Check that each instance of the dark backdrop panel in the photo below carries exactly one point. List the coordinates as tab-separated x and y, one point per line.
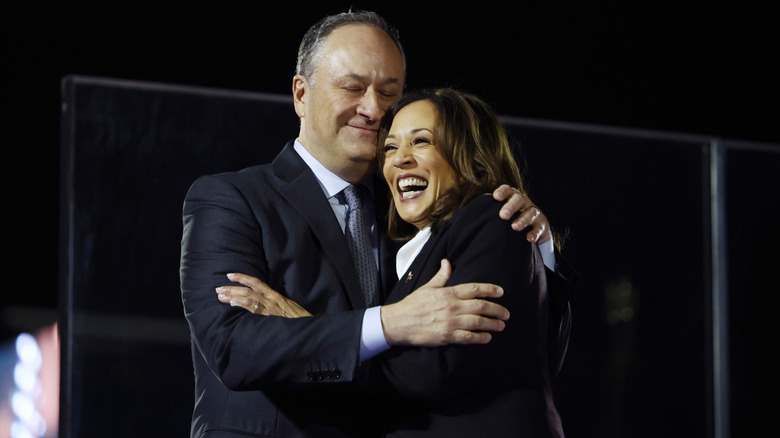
638	355
637	204
753	231
130	152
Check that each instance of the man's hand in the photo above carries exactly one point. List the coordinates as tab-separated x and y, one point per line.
530	215
435	315
257	297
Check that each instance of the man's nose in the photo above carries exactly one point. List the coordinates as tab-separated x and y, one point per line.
370	106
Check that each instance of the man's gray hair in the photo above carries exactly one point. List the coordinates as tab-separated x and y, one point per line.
310	52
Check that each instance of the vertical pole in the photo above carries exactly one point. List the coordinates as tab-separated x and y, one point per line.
719	265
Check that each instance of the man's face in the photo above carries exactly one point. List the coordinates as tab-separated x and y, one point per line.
361	74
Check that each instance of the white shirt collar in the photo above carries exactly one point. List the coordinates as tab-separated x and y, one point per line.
331	183
407	253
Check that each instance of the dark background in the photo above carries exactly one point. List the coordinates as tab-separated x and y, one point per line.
683	67
691	67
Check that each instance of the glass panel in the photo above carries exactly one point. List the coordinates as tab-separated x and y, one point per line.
636	204
130	152
633	203
753	215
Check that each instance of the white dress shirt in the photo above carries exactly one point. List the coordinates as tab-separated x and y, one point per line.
372	339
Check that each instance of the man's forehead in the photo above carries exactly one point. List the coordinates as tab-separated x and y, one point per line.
362	59
362	37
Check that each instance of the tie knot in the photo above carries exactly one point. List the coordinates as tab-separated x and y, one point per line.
352	196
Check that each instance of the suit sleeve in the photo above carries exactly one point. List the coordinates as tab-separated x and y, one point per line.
560	285
482	248
247	351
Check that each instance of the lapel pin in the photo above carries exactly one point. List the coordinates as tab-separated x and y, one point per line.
409	276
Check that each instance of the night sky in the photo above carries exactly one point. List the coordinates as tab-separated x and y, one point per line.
690	67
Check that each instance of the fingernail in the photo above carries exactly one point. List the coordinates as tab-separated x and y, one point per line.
504	214
221	296
220	289
500	291
231	275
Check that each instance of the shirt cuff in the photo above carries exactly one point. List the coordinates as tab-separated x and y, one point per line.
372	336
548	254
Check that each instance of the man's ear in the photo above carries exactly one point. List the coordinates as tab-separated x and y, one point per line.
299	88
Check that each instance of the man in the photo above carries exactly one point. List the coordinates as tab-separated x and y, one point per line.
284	224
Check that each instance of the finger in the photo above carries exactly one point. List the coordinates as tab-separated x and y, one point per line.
246	280
538	234
475	323
466	291
475	329
466	337
482	309
503	192
518	203
528	217
441	277
246	303
223	298
234	291
262	290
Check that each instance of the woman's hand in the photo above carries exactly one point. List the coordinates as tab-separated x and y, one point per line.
258	298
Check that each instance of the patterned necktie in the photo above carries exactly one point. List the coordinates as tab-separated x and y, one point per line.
360	246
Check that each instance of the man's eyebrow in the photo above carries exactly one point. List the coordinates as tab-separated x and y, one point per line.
359	77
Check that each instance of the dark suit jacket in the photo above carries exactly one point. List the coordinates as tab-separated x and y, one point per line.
502	388
272	376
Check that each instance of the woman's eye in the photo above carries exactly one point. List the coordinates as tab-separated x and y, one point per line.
389	148
421	140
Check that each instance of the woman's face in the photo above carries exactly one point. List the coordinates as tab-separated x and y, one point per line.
414	168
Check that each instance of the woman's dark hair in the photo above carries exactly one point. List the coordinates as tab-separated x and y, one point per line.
474	143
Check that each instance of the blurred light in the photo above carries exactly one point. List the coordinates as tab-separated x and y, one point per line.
28	422
26	379
28	351
621	299
19	431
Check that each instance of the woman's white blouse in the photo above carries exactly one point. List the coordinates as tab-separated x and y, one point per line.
409	251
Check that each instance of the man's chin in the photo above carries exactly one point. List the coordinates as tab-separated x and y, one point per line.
361	147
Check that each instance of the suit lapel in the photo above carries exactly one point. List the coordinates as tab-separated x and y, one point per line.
387	247
298	185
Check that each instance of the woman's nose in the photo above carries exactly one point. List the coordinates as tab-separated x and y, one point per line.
403	157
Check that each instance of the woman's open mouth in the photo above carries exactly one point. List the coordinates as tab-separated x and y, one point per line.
410	187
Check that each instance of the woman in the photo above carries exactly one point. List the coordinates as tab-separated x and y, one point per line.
442	153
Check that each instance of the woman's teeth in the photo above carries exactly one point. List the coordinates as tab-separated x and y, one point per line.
409	187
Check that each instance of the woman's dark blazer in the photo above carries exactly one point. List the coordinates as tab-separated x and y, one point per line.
499	389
